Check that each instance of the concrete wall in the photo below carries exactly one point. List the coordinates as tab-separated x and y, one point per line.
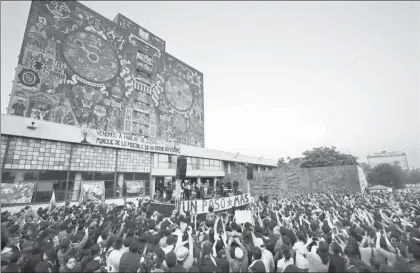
299	180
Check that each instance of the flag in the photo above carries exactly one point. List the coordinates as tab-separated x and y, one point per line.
82	195
52	202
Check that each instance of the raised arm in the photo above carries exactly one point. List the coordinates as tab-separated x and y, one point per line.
82	244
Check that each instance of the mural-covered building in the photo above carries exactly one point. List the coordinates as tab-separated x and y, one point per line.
391	158
107	103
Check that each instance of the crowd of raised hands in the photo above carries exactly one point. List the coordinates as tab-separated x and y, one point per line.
316	232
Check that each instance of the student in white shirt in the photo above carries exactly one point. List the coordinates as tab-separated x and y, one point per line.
299	247
286	260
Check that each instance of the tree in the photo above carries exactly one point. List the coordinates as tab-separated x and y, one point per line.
290	162
413	177
281	162
326	157
387	175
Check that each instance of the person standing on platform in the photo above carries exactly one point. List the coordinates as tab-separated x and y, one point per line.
183	182
169	191
206	188
197	190
229	188
235	187
187	190
202	190
161	188
222	186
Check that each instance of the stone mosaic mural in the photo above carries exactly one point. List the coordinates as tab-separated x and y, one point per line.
78	68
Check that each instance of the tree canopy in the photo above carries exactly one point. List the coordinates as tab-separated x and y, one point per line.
413	177
387	175
289	162
326	157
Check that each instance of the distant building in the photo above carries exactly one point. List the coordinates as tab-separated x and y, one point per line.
392	158
379	188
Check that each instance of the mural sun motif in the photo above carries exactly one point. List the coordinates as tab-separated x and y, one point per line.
178	93
90	57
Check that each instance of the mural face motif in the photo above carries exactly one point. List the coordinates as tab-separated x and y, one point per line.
79	68
90	57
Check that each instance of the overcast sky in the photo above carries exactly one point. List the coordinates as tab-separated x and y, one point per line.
283	77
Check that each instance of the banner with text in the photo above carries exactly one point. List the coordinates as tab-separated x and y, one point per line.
92	190
218	204
133	186
16	193
127	141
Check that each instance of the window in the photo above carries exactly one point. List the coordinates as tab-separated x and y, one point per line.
50	175
87	175
198	163
8	176
172	161
103	176
142	178
191	163
226	166
163	161
155	160
33	175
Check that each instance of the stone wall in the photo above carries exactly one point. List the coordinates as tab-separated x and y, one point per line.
273	183
238	172
299	180
337	178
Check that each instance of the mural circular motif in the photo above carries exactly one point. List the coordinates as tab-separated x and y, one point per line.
179	123
90	57
178	93
28	77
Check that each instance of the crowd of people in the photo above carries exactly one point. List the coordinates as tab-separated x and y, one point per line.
195	190
316	232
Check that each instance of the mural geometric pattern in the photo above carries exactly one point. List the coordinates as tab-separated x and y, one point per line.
79	68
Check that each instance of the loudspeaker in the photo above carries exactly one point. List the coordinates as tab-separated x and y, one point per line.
249	172
181	167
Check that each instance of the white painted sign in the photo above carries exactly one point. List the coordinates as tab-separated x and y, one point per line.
218	204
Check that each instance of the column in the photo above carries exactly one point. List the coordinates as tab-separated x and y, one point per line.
228	167
77	186
245	186
120	180
258	166
214	185
20	176
152	186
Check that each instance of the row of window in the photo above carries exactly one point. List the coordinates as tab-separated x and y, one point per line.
164	161
48	181
9	176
